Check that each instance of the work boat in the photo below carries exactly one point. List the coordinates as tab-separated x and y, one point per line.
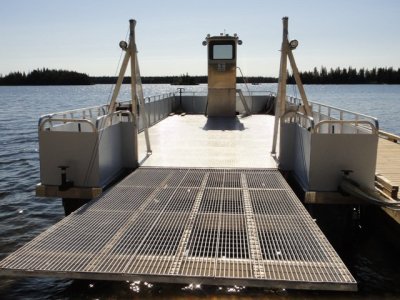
189	188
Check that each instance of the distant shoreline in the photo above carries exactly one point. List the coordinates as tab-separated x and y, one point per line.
348	76
179	80
128	82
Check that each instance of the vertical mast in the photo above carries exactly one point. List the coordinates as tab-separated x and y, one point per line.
283	70
132	50
281	95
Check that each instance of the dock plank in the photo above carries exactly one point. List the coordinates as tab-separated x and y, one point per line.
388	166
388	161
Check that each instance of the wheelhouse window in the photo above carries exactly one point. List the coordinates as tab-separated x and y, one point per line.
222	50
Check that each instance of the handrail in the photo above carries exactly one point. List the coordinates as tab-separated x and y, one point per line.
153	99
48	120
245	93
316	127
246	107
43	119
95	127
103	107
115	113
302	116
349	112
330	108
82	111
343	122
389	136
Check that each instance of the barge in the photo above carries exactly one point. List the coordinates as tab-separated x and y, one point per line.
155	194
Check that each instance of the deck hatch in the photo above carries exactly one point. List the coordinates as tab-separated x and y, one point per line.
214	226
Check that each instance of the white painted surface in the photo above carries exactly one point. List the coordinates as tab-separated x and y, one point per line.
93	159
195	141
318	159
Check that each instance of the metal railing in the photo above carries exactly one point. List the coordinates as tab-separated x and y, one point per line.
330	115
196	101
159	97
158	107
366	125
55	122
299	118
93	119
389	136
75	115
245	93
332	112
110	119
81	113
66	124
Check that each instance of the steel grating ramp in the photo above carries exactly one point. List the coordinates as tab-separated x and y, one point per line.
211	226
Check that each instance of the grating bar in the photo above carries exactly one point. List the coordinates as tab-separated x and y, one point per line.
254	243
215	226
176	265
117	236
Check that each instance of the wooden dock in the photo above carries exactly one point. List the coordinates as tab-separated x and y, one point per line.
388	169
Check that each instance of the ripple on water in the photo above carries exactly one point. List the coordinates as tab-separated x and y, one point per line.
4	194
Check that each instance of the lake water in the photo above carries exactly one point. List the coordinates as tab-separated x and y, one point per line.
371	256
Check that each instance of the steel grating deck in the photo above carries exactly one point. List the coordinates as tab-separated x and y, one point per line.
211	226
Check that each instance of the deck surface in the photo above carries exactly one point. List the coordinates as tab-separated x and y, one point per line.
388	161
184	225
195	141
388	165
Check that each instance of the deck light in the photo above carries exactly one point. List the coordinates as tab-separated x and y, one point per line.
240	42
204	43
293	44
123	45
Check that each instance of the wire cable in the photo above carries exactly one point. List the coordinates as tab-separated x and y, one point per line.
100	132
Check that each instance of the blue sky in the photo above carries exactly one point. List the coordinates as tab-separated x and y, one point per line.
84	35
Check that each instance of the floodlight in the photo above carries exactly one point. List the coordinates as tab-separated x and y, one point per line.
293	44
123	45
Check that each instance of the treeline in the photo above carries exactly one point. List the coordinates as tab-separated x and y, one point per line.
317	76
257	79
183	79
349	76
46	77
177	80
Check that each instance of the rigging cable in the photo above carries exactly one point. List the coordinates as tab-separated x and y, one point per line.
100	133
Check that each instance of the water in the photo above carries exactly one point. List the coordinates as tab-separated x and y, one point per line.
380	101
371	256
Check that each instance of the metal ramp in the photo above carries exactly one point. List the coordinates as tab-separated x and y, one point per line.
181	225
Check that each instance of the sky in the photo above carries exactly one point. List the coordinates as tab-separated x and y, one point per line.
83	35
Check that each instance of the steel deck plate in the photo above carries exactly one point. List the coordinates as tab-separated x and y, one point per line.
181	225
195	141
